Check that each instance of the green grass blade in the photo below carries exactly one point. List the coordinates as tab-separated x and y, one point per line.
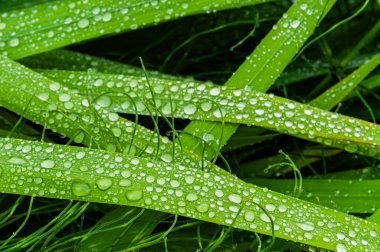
331	97
70	60
47	26
224	104
354	196
48	170
263	66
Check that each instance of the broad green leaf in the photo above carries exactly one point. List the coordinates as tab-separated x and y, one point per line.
328	99
225	104
354	196
264	65
47	170
56	24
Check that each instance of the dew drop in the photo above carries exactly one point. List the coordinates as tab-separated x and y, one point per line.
249	216
259	111
134	195
191	197
295	23
167	157
83	23
202	208
235	198
48	163
125	182
17	161
307	226
80	188
189	179
219	193
43	96
14	42
54	86
340	247
190	109
264	217
104	183
351	148
215	91
270	207
104	101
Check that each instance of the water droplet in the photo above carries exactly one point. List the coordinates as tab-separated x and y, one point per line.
215	91
104	183
48	163
107	17
235	198
219	193
113	117
17	161
249	216
270	207
80	188
264	217
191	197
202	208
295	23
134	195
54	86
167	157
190	109
64	97
351	148
125	182
189	179
307	226
259	111
14	42
104	101
83	23
340	247
43	96
80	155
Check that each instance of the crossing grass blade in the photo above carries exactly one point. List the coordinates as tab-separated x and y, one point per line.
54	24
48	170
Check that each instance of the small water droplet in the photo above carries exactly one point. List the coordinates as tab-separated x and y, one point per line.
340	247
134	195
80	188
295	23
104	183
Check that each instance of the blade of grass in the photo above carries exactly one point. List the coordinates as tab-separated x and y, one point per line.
224	104
263	66
47	26
175	189
353	196
328	99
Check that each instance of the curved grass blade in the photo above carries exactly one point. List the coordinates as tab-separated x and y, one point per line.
55	24
47	170
213	103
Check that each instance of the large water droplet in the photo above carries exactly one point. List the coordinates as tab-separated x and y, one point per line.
83	23
191	197
340	247
17	161
48	163
202	208
104	101
235	198
134	195
190	109
104	183
249	216
307	226
80	188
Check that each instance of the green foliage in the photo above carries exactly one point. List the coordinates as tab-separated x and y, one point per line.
99	154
